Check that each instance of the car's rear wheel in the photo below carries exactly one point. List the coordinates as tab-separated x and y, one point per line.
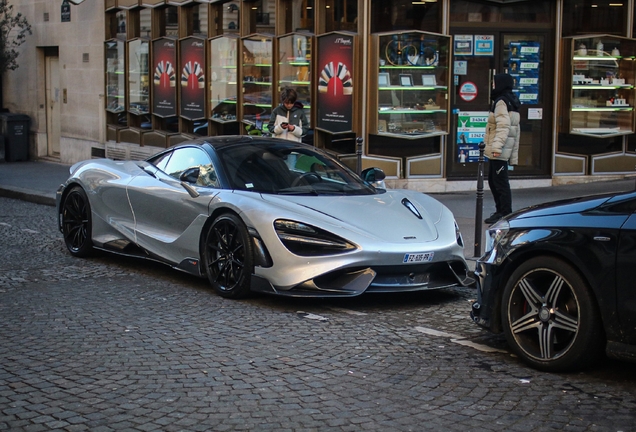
550	317
228	256
76	223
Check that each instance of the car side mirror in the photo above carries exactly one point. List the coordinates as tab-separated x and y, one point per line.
191	175
372	175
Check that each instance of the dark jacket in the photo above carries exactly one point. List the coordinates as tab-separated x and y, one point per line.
296	116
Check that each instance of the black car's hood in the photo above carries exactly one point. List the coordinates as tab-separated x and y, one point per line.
567	206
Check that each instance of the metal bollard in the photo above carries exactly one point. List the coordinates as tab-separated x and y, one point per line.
359	155
479	207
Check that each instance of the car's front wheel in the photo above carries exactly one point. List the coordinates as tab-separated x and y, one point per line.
76	223
550	317
228	256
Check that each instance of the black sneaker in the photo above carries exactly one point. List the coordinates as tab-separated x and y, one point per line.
493	218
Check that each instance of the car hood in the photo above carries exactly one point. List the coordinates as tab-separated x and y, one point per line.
383	216
568	206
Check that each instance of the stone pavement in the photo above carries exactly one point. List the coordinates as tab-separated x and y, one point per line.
109	344
114	344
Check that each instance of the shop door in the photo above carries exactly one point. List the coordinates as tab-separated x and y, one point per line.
528	58
53	105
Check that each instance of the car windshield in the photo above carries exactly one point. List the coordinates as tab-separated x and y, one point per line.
288	169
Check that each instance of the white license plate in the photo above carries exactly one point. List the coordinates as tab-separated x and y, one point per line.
418	257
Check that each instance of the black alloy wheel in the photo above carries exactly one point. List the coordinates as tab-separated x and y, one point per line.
228	257
76	223
550	317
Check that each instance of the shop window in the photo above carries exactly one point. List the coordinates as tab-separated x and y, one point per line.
231	13
341	15
115	24
583	145
298	15
390	15
168	21
529	11
261	16
594	16
121	24
196	20
145	23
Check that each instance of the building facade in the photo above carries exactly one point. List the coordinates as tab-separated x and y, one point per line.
125	78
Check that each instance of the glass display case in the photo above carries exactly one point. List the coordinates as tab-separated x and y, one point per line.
223	78
257	80
412	82
138	77
294	67
599	82
115	77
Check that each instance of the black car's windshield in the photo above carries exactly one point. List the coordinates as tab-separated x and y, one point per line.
288	169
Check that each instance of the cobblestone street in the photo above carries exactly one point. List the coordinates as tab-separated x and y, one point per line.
111	343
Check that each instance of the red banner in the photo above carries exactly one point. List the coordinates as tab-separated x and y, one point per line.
192	78
335	83
164	85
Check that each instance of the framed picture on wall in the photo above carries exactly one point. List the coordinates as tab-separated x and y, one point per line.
384	79
406	80
429	80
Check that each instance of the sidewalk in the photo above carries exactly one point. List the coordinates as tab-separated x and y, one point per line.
37	181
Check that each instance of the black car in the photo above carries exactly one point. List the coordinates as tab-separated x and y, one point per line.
559	280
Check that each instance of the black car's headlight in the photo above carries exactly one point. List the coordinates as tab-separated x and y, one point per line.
306	240
495	233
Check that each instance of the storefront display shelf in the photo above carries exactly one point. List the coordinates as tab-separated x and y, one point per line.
256	80
600	75
115	77
138	77
294	66
224	80
412	84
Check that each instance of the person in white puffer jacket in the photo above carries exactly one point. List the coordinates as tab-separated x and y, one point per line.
502	143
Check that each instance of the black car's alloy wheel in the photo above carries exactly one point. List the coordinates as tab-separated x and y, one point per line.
550	317
228	257
76	223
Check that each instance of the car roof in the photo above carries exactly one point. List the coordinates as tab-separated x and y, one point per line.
221	141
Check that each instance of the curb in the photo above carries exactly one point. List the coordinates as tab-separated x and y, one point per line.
27	195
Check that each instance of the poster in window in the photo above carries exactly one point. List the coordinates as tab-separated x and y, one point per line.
523	65
192	78
471	130
463	45
164	84
335	83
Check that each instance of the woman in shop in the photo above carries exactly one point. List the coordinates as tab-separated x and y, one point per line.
502	143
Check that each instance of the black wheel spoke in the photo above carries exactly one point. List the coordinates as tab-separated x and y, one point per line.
76	222
545	341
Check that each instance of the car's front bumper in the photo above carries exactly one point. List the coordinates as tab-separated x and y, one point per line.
486	310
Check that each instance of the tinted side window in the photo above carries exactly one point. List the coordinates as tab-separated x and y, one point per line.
191	157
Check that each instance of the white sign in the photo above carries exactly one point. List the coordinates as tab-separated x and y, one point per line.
460	67
535	113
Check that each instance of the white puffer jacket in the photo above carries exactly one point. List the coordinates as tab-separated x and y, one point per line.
502	134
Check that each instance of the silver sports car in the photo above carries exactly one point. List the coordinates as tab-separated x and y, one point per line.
266	215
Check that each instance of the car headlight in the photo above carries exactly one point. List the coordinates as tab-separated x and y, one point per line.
495	233
306	240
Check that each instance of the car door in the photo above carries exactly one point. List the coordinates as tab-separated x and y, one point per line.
626	288
169	213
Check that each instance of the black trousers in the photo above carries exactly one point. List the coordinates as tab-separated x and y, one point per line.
500	185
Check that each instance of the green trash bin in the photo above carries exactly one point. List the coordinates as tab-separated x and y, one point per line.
14	129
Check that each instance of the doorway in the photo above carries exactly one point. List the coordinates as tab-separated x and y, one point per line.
53	96
528	57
